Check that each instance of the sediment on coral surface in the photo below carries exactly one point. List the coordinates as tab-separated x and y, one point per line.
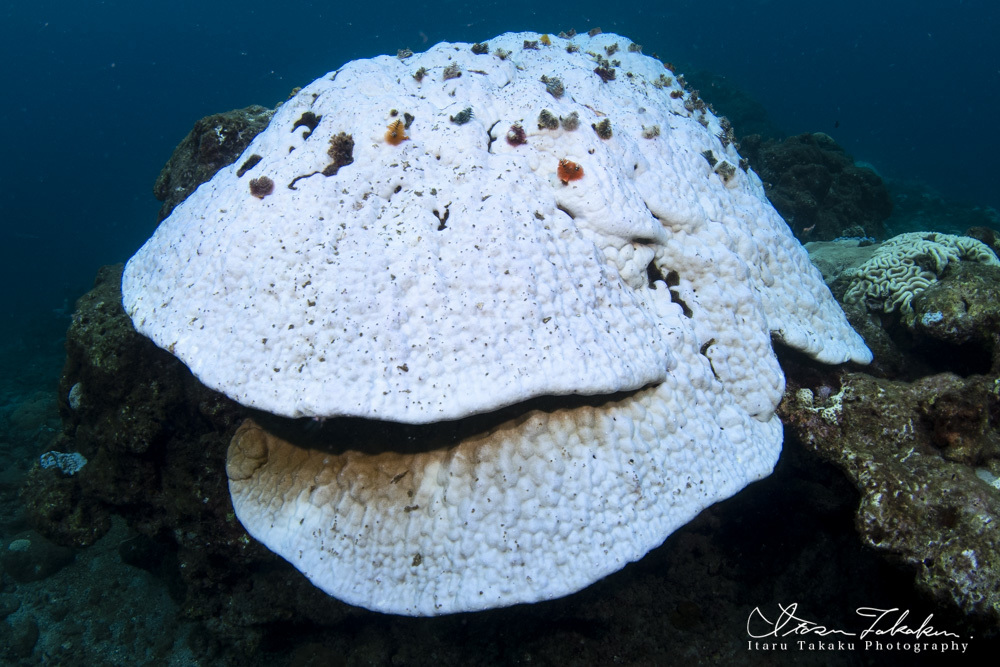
256	607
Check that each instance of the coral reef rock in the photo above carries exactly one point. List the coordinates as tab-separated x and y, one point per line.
905	265
31	557
925	302
818	189
214	142
924	457
959	317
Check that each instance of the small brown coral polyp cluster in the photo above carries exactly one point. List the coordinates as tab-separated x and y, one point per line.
603	129
261	187
606	73
341	153
516	135
395	134
569	171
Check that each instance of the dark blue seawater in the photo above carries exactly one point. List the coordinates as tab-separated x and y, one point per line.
97	94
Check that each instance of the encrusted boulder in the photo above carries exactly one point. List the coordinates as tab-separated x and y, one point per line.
154	439
30	557
214	142
817	187
959	317
925	457
906	265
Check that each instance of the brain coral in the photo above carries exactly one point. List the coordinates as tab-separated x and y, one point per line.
525	381
907	264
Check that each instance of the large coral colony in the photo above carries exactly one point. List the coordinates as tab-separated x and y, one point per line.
566	170
533	358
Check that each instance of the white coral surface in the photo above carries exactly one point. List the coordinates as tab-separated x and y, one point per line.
453	274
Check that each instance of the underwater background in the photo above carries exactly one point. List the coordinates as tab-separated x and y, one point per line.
98	94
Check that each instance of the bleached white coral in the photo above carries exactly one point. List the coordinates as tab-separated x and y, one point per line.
907	264
546	376
69	463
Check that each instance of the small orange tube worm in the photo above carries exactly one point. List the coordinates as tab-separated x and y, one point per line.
569	171
395	134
